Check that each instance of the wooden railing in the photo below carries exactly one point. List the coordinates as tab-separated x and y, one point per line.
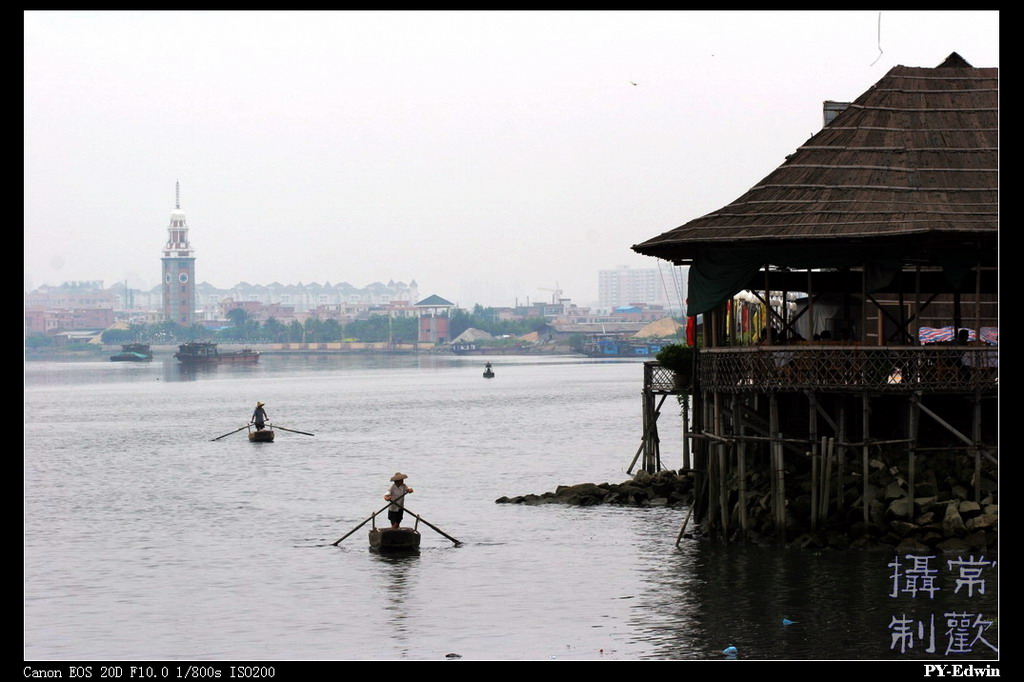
886	369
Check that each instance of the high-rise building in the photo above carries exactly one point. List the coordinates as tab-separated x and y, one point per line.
653	286
179	269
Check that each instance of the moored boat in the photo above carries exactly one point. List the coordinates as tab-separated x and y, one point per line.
133	352
402	539
622	348
206	353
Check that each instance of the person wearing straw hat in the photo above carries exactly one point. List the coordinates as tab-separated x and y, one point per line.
259	416
396	496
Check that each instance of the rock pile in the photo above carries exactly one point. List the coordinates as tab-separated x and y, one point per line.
664	489
945	516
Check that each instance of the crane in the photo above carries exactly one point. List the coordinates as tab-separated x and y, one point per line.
556	293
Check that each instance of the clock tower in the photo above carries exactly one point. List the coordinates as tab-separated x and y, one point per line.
179	269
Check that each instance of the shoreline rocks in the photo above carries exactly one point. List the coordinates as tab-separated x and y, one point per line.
663	489
945	516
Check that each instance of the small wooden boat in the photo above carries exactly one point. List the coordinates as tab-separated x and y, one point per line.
133	352
265	435
402	539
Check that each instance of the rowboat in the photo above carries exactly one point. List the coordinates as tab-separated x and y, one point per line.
261	436
402	539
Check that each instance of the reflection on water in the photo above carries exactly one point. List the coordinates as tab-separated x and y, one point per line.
145	538
399	576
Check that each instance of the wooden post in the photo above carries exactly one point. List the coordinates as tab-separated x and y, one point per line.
866	407
917	303
864	305
686	430
812	453
841	456
723	486
976	432
741	462
830	444
912	429
711	464
773	426
977	303
778	473
810	305
812	431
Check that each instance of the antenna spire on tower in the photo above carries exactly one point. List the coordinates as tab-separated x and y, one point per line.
177	194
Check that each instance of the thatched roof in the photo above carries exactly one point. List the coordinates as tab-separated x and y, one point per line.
908	171
915	156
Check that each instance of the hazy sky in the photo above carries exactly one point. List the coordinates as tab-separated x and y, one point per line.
490	156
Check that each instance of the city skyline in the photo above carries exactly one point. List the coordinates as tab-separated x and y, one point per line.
490	156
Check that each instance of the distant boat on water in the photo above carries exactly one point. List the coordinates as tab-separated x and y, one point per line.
623	348
133	352
206	353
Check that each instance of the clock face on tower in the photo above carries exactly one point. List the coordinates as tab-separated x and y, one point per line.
183	277
167	278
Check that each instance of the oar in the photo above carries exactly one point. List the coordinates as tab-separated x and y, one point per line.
230	432
335	543
293	430
420	518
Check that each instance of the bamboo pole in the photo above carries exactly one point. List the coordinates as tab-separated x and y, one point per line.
429	524
371	517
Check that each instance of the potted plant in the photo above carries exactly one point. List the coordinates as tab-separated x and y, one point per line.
678	358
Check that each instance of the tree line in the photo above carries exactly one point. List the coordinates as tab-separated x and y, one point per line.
244	329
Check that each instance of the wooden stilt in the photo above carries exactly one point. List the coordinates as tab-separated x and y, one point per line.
723	486
778	474
685	402
828	447
912	427
976	431
866	407
773	427
813	454
741	463
841	456
812	431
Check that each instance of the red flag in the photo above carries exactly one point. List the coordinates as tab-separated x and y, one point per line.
691	331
